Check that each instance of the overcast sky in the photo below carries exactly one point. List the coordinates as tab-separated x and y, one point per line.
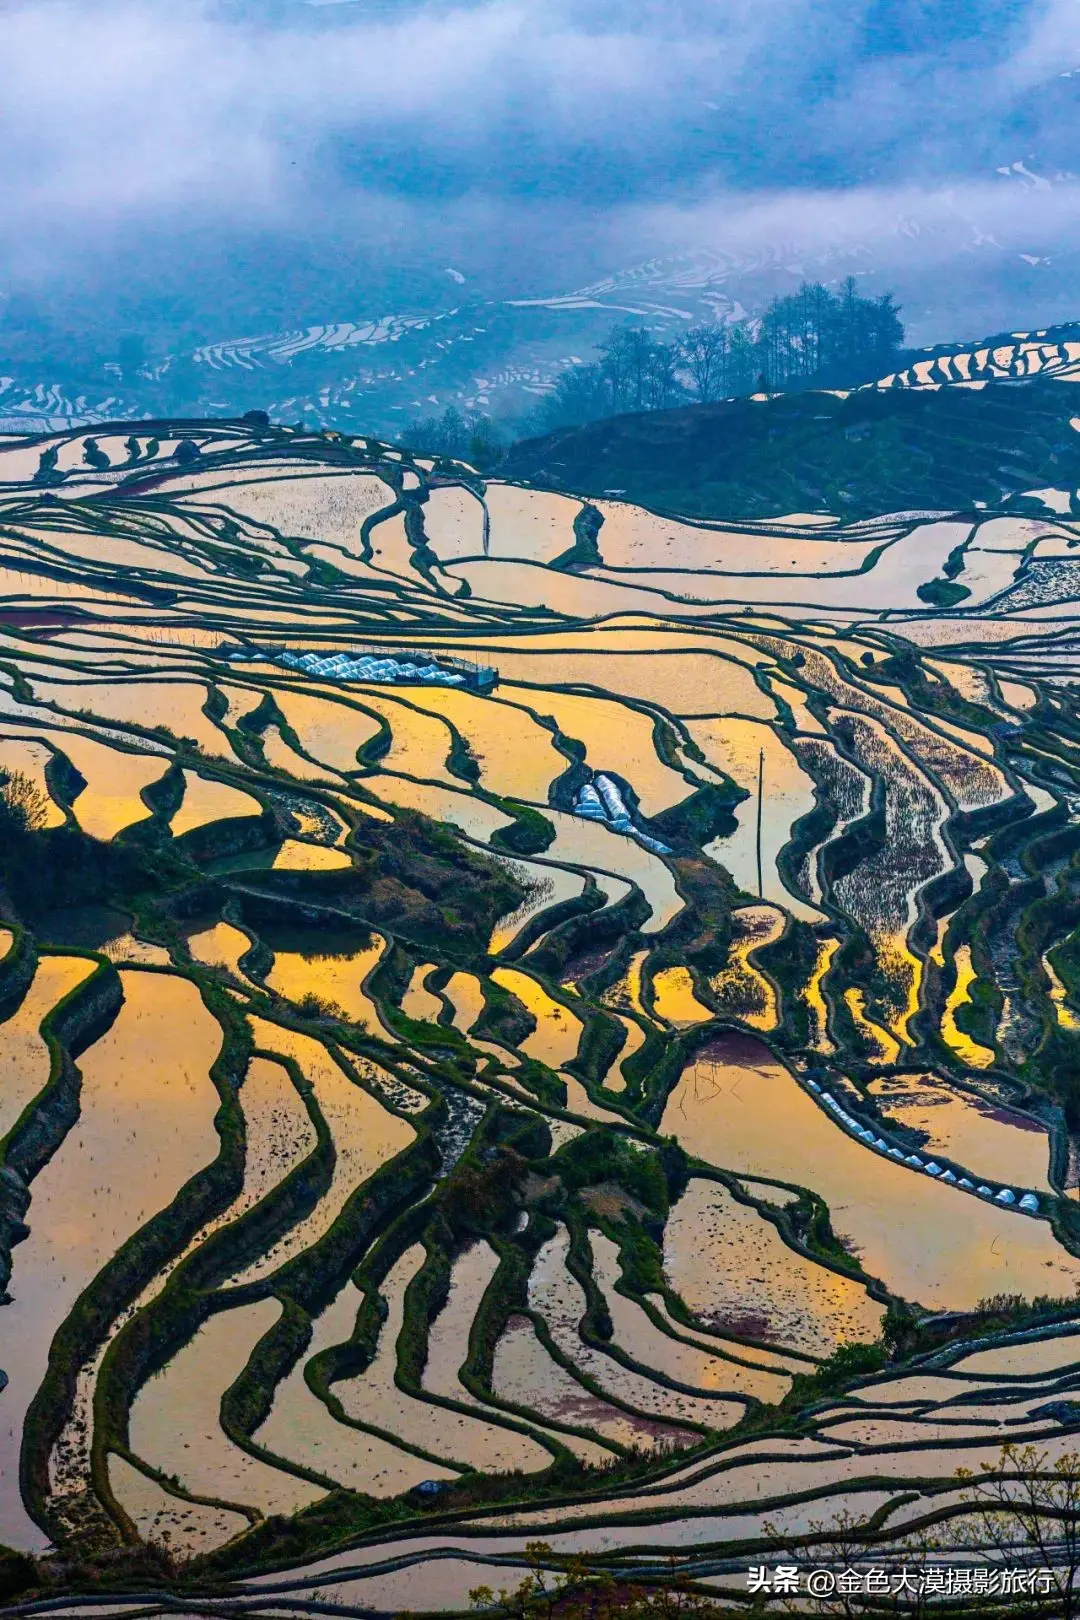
268	150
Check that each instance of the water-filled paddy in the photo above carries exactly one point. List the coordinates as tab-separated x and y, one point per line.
559	1299
206	800
637	1333
365	1134
221	945
115	779
751	753
740	987
555	1039
419	1002
740	1109
302	1428
733	1270
175	1424
871	739
26	1061
29	759
986	1137
169	1521
675	1000
328	968
146	1125
461	1439
615	737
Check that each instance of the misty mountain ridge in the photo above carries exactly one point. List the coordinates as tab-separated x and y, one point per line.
461	340
961	426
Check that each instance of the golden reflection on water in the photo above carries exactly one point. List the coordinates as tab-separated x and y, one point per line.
525	1374
1066	1017
991	1140
294	856
738	1108
743	748
464	993
674	999
146	1124
114	781
815	998
688	1364
25	1063
615	1079
970	1051
419	1002
733	1270
220	946
884	1048
374	1397
555	1039
176	1424
742	988
206	800
300	1426
334	979
365	1134
29	759
614	736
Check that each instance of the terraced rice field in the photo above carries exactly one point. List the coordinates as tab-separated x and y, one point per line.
645	1007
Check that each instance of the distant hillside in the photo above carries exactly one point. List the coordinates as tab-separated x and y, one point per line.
878	449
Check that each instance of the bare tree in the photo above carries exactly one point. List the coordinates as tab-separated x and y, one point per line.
22	806
1027	1509
703	352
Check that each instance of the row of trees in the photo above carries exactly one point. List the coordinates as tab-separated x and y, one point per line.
812	338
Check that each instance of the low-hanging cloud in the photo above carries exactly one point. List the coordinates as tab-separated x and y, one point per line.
133	130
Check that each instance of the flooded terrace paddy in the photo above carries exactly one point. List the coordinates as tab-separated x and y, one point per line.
972	1053
302	1429
365	1134
742	749
26	1060
733	1270
175	704
169	1521
704	675
472	816
526	1375
599	849
206	800
740	1109
418	1002
516	756
175	1420
555	1039
815	997
674	998
741	988
146	1124
448	1340
329	966
115	779
330	730
614	735
19	755
557	1296
220	945
547	886
731	1368
460	1439
990	1139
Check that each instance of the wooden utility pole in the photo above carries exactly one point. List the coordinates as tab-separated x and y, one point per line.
760	787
